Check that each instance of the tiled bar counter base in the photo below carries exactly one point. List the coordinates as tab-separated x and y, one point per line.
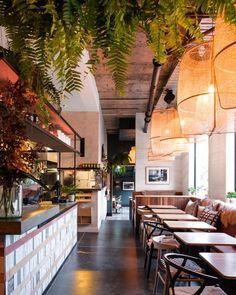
30	261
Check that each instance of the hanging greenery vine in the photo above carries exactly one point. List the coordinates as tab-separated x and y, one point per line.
48	37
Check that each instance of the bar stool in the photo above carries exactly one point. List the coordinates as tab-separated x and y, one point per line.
161	244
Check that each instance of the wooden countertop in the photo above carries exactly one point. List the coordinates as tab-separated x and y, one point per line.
33	215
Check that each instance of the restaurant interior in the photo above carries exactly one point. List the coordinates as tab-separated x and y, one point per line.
117	147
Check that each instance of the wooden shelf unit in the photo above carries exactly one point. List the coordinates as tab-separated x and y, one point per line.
84	209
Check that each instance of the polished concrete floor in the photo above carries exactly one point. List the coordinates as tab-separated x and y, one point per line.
110	262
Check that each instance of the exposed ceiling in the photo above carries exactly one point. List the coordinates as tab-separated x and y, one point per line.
138	83
137	86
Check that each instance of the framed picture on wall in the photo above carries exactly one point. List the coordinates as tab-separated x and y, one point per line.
157	175
128	186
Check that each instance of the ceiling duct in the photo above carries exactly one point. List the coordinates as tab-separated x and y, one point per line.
127	129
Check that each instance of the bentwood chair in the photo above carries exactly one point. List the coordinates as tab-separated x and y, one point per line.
188	268
151	229
162	245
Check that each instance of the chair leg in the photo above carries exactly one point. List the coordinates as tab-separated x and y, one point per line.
166	286
146	256
156	281
149	261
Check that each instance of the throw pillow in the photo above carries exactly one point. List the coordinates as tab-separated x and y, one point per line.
191	208
200	210
211	217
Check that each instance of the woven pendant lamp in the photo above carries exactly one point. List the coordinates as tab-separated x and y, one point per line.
195	97
132	153
224	60
165	126
161	148
152	157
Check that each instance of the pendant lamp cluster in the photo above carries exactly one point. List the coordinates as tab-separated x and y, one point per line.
206	96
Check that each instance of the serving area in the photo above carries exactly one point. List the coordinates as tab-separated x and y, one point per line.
34	247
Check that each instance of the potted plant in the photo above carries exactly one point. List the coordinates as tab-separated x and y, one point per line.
17	156
192	190
231	196
70	191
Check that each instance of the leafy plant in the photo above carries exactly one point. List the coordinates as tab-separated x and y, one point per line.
192	190
231	195
70	189
16	155
118	163
49	36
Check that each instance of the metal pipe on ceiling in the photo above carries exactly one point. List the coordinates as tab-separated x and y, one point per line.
152	92
167	70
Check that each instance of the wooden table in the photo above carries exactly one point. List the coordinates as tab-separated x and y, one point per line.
176	217
188	225
161	207
224	264
205	238
168	211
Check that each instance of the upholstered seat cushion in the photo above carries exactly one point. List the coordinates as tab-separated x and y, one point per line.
191	208
209	290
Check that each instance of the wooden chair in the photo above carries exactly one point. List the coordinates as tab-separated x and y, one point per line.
151	229
189	268
167	244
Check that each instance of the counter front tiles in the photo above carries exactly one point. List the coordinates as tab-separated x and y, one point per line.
30	259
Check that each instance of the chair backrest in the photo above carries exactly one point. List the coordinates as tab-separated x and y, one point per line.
185	264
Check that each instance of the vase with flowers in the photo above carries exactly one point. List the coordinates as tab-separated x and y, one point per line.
17	156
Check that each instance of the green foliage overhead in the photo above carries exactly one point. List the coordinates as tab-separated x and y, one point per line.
50	35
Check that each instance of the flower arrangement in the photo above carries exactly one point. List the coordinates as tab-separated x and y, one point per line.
16	154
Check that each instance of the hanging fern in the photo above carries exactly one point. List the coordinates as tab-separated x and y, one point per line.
49	36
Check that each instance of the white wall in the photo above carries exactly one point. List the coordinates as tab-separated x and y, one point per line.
221	165
142	147
186	175
102	137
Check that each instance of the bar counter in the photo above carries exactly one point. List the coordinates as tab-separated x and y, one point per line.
34	247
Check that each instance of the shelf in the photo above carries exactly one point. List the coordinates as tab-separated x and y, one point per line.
84	220
40	135
84	215
84	201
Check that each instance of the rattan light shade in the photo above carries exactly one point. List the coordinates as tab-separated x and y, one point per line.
132	153
152	157
165	126
195	97
162	149
224	59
